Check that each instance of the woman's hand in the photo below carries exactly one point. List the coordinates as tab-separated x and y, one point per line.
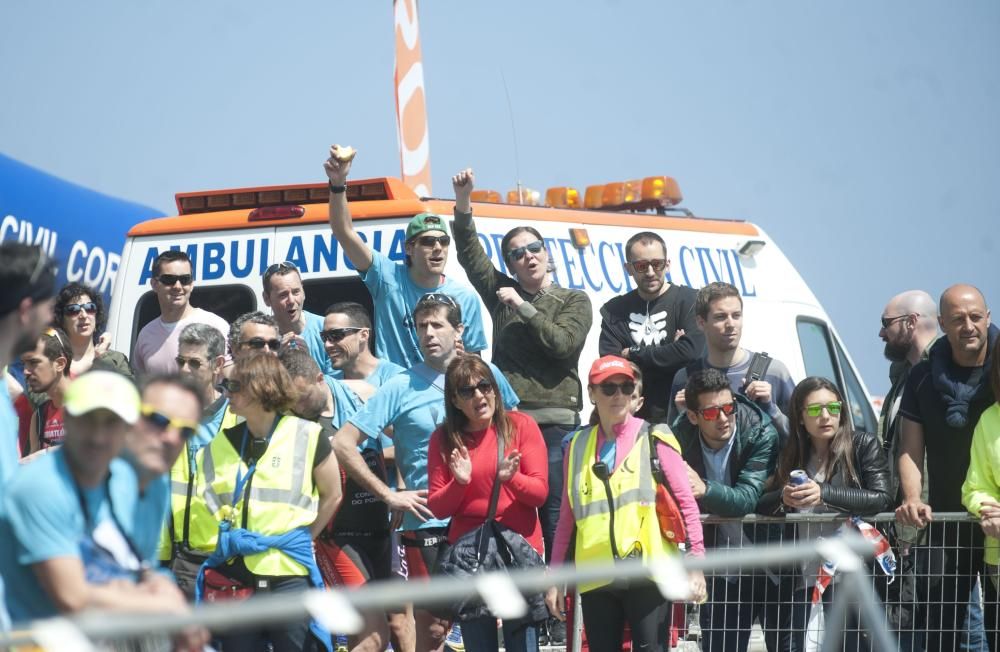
800	496
509	297
696	583
555	600
460	465
509	465
103	345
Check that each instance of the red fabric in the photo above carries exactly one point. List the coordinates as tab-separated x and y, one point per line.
520	497
336	566
24	411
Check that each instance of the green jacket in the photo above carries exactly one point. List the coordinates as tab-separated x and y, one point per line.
751	462
538	345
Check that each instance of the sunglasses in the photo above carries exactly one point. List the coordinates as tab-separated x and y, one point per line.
334	335
170	279
519	252
259	343
640	266
431	240
187	429
194	363
281	267
484	386
816	409
439	297
610	389
231	386
715	411
51	332
888	321
75	308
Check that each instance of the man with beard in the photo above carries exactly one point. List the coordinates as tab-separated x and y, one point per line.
396	288
46	371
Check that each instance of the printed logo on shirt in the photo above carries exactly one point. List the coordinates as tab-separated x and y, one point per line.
648	329
275	462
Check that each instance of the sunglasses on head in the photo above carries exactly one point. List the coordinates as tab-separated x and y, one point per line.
75	308
259	343
468	391
194	363
816	409
170	279
430	240
334	335
641	266
231	386
285	266
438	297
519	252
187	429
610	389
713	412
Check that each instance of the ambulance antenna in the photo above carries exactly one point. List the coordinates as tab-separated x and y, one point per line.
513	132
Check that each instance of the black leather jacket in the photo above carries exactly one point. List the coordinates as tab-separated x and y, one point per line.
870	498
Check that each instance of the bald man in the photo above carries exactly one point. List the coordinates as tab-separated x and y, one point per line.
942	402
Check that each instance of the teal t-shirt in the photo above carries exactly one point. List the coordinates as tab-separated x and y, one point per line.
345	402
395	294
414	406
314	343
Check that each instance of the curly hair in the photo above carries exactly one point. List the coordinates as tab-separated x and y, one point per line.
69	294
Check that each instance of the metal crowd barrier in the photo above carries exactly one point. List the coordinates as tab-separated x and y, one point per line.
759	575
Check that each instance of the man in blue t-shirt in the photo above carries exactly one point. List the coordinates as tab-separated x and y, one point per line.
284	295
413	403
73	550
346	334
395	287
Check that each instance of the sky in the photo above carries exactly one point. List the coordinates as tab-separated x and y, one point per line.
862	136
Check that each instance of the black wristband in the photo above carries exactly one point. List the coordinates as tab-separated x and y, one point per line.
337	189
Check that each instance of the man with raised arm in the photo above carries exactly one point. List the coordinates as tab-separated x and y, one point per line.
396	287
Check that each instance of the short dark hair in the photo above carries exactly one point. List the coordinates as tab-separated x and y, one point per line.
711	293
27	273
645	237
299	364
55	344
435	301
170	256
701	382
236	328
198	334
355	312
72	291
180	381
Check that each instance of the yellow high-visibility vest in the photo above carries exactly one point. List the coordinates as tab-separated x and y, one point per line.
279	497
185	466
633	490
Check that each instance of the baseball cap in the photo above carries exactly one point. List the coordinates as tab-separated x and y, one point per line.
424	222
608	366
103	389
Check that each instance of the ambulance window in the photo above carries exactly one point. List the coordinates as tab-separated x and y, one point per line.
322	293
817	354
861	411
227	301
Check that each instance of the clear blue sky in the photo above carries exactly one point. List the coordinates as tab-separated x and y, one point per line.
863	136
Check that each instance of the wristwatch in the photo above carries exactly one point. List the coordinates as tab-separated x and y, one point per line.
337	189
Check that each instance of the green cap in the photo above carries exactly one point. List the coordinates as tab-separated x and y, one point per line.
424	222
107	390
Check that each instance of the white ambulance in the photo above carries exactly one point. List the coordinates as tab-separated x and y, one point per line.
233	235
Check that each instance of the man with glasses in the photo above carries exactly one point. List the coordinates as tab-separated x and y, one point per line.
396	287
654	325
254	331
346	336
718	311
730	447
284	295
172	281
413	403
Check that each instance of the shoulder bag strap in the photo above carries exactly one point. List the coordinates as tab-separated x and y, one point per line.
487	527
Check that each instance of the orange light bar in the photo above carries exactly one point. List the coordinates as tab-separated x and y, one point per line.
593	197
487	196
613	195
524	197
632	192
661	189
314	193
563	197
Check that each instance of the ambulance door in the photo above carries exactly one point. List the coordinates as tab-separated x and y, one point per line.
823	355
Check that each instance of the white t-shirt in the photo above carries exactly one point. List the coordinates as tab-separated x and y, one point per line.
157	345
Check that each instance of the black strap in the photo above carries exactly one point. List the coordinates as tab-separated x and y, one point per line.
484	540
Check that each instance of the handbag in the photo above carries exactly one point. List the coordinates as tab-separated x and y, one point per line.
491	547
222	588
185	565
668	512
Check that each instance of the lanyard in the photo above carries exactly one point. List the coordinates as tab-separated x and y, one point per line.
241	479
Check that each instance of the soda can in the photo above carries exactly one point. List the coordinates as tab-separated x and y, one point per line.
797	477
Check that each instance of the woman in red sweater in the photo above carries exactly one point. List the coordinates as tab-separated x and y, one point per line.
462	467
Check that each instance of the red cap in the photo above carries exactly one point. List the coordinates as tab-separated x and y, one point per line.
608	366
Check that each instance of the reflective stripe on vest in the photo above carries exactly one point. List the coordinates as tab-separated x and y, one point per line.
637	530
281	495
